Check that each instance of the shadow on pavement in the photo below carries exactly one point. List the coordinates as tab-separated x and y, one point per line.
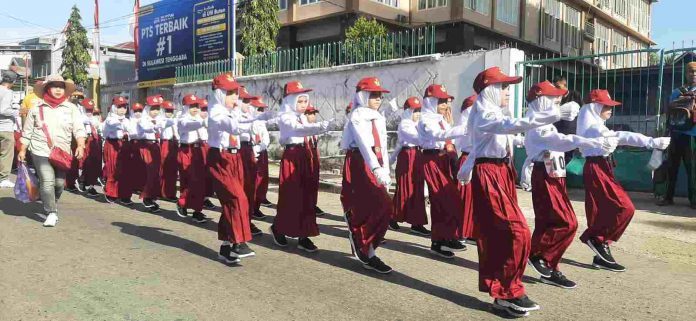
646	202
13	207
687	226
578	264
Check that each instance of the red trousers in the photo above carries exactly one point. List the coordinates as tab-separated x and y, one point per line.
346	188
261	179
372	210
445	203
504	238
226	173
608	208
466	229
554	219
138	172
208	179
409	197
91	164
117	160
249	163
74	173
192	178
150	154
170	167
295	216
316	167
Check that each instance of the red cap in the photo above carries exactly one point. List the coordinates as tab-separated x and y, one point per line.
349	107
168	105
244	94
545	88
370	84
311	110
258	103
469	101
601	96
88	104
119	101
203	105
413	103
155	100
294	87
138	107
492	76
437	91
190	99
225	82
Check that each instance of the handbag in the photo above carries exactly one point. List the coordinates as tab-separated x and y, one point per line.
59	158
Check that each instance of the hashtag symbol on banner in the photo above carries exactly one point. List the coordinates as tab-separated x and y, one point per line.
160	46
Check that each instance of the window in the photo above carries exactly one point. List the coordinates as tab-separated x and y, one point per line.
605	4
303	2
552	17
602	38
283	4
573	33
620	8
430	4
639	16
618	43
391	3
480	6
508	11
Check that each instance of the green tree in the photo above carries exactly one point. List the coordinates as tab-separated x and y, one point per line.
75	56
367	40
364	28
260	25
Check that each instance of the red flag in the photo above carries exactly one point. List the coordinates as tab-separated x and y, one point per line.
136	10
96	14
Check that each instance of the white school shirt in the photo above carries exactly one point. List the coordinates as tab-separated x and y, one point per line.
408	133
294	128
222	123
261	131
359	131
148	127
192	129
169	132
464	143
591	125
116	127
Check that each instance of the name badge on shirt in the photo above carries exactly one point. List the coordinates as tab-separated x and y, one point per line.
555	164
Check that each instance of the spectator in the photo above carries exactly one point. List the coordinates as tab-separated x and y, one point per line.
8	119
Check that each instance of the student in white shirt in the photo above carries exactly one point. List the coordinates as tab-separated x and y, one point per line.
261	141
191	126
346	189
137	166
91	164
169	147
246	112
149	128
311	114
465	232
117	153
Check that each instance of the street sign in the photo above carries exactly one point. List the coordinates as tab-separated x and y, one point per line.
174	33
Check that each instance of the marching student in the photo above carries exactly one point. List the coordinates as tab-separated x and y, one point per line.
149	128
138	171
295	215
117	153
226	170
554	219
346	189
311	115
72	176
409	197
207	204
464	145
261	142
436	142
366	140
91	164
190	158
169	147
246	151
502	233
607	206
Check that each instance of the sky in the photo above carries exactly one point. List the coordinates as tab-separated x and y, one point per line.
672	20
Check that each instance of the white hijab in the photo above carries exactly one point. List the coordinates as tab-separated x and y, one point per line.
533	149
589	117
289	103
429	109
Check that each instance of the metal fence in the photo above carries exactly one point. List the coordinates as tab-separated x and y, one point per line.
401	44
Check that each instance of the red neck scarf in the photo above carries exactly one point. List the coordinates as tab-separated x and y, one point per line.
52	100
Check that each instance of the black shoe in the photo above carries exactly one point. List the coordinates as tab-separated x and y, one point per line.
101	181
125	201
155	209
394	226
468	241
558	279
307	245
523	304
111	200
436	248
91	192
510	311
208	204
266	203
169	199
601	249
226	255
664	202
148	202
182	212
242	250
420	230
80	186
255	231
199	217
452	246
374	263
540	266
258	215
278	239
318	211
71	189
601	264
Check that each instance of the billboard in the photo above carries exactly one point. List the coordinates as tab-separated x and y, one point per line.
174	33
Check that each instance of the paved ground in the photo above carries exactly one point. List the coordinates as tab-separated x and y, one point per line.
107	262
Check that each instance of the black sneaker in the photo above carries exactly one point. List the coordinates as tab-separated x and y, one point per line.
155	208
278	239
242	250
101	181
110	200
80	186
255	231
199	217
394	226
523	304
374	263
266	203
226	255
558	279
436	248
307	245
125	201
169	199
181	211
420	230
469	241
318	211
452	246
148	202
601	249
208	204
70	189
258	215
510	311
601	264
91	192
540	266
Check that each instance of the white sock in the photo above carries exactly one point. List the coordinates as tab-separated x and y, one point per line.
370	252
225	243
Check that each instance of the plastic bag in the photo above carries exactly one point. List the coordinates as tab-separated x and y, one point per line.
655	159
575	166
27	186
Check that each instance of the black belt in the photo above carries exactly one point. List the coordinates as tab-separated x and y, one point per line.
229	150
432	151
410	147
482	160
247	143
117	139
147	141
539	164
294	145
191	145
